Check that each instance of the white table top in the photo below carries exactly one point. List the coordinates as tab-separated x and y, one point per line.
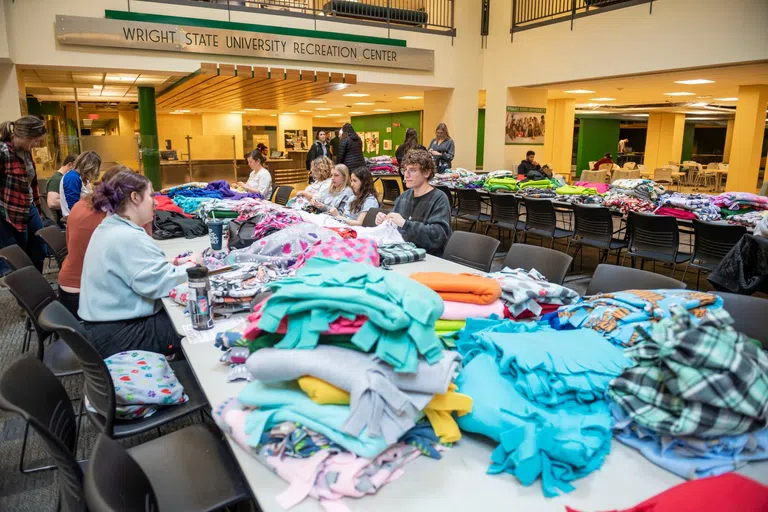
458	481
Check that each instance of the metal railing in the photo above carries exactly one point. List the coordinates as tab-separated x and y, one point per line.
528	14
436	16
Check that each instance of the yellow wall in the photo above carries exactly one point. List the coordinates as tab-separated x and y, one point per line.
10	108
728	141
664	140
748	134
558	137
126	120
223	127
292	123
176	128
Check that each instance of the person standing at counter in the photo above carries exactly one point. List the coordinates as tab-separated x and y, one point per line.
442	148
319	148
19	195
77	182
260	180
350	148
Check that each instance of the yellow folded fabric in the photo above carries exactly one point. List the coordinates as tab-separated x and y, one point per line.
321	392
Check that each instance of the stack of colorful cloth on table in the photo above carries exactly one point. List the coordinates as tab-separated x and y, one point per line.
600	188
688	206
696	400
458	178
647	190
742	208
579	194
465	296
381	165
348	381
527	293
626	204
508	183
189	197
540	394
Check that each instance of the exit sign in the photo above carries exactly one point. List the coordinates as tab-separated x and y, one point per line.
396	125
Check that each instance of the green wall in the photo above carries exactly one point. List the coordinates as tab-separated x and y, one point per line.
380	123
596	138
480	137
687	142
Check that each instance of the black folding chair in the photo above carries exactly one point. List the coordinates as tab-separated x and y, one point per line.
541	220
613	278
505	215
550	263
656	238
15	257
56	241
711	243
282	194
749	314
369	220
471	208
593	227
471	249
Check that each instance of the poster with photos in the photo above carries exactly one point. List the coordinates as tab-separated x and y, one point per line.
525	126
296	140
372	142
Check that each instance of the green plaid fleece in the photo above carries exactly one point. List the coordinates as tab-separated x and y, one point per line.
394	254
695	378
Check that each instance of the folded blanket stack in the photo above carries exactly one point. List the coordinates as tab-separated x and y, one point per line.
381	165
742	208
647	190
505	183
700	205
527	293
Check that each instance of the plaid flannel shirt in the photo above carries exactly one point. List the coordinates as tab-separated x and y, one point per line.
394	254
17	191
695	378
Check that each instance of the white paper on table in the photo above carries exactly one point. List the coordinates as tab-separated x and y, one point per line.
195	337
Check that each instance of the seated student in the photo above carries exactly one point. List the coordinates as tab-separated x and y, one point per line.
77	182
339	192
321	173
365	198
125	274
260	180
605	160
422	213
529	164
54	183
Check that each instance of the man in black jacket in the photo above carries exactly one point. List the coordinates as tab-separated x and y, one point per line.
319	148
529	164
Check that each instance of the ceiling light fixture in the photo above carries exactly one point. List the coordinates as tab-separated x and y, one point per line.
323	108
382	110
603	99
320	117
697	81
639	115
357	113
579	91
334	115
364	104
726	99
305	111
356	95
237	112
700	104
701	119
180	111
272	115
410	97
679	94
252	109
315	101
289	113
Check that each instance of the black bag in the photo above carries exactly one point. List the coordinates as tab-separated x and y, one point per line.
241	232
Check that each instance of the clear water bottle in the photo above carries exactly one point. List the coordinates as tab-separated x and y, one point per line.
199	298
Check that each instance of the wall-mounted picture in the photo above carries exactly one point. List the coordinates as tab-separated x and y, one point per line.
388	145
372	142
296	140
525	125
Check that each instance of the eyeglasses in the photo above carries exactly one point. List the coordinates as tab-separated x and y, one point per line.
409	171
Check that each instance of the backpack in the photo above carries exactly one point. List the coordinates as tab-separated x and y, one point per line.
241	233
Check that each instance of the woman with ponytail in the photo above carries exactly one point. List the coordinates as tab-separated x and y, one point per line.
125	274
19	195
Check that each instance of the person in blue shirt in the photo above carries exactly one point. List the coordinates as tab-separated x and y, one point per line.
125	273
354	210
77	182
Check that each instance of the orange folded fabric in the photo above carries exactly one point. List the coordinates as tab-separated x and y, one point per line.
465	288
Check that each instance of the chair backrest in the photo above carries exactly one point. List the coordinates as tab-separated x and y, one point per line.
504	208
469	201
391	189
662	174
594	176
624	174
29	388
749	314
471	249
56	240
605	167
369	221
540	214
592	164
713	166
613	278
98	382
33	293
649	232
42	186
593	222
630	166
114	481
15	257
550	263
713	241
282	194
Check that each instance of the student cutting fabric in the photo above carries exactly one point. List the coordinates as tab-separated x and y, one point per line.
321	172
365	198
120	289
339	192
422	213
260	180
77	182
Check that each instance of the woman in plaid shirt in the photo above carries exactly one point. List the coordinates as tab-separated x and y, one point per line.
19	196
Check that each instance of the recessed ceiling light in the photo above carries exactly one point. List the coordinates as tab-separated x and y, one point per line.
320	117
179	111
315	101
579	91
703	97
638	115
334	115
364	104
603	99
272	115
679	94
237	112
586	105
701	119
410	97
323	108
726	99
699	112
697	81
289	113
305	111
357	113
700	104
251	109
355	95
382	110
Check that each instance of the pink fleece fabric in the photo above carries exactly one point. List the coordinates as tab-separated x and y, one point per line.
601	188
462	311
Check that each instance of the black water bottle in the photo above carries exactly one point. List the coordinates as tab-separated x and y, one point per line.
199	299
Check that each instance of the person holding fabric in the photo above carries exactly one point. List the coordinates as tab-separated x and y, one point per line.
339	193
77	183
19	195
52	196
605	160
321	172
319	148
529	164
442	148
120	290
350	148
354	211
260	180
422	213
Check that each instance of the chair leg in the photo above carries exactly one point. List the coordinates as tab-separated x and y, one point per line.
618	254
685	272
698	275
674	267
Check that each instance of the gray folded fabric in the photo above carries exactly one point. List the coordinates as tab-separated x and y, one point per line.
383	401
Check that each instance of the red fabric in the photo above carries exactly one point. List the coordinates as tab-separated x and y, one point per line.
676	212
345	233
521	177
17	191
729	492
604	160
545	308
339	326
166	204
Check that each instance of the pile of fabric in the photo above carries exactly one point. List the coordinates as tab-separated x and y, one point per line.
508	183
540	394
688	206
348	381
459	178
381	165
742	208
627	204
527	293
695	401
647	190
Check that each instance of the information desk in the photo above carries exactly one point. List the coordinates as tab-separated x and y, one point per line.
458	481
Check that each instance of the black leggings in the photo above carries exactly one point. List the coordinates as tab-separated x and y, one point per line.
152	333
71	301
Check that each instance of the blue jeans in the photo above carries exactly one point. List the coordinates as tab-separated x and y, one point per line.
32	245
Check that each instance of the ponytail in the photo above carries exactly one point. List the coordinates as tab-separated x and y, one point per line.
27	127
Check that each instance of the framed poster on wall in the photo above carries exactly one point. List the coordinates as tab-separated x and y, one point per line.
296	139
525	126
372	142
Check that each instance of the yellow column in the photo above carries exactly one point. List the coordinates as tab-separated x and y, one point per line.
728	141
558	136
10	104
748	133
126	122
438	108
664	140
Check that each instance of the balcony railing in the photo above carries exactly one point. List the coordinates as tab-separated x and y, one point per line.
528	14
436	16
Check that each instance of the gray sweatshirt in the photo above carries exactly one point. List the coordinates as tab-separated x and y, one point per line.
427	220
